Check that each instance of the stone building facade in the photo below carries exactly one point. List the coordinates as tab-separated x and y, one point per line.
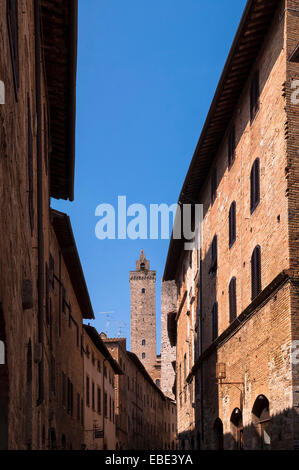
143	317
100	370
244	277
43	295
145	417
168	350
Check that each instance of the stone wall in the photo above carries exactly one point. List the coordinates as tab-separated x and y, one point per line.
168	352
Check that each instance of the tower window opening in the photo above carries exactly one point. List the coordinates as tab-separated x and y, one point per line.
143	355
143	342
142	291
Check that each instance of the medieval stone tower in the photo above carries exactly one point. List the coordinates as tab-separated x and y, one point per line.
143	316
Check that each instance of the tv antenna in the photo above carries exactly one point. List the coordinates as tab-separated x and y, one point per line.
108	317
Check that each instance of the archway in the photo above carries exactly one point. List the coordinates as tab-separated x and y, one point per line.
4	385
237	428
261	419
218	434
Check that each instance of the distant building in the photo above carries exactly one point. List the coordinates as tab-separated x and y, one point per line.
99	397
145	418
143	317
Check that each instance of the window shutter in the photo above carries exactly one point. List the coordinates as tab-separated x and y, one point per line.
232	223
255	185
232	300
257	181
214	255
252	189
256	272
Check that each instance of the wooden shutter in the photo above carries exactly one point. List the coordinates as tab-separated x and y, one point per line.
12	23
232	223
257	181
255	185
232	300
256	272
214	255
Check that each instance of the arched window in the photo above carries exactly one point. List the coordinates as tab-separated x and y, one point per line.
255	185
142	291
232	224
142	266
218	434
232	300
143	355
158	383
261	418
256	284
143	342
237	428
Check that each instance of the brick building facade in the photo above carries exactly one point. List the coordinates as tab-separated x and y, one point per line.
43	295
145	417
100	370
242	375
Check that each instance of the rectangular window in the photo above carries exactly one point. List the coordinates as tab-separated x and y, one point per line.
105	405
87	392
63	388
231	147
214	185
99	401
12	23
215	321
82	412
70	397
78	406
93	396
254	95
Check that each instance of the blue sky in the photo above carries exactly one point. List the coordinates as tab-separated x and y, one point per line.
147	73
